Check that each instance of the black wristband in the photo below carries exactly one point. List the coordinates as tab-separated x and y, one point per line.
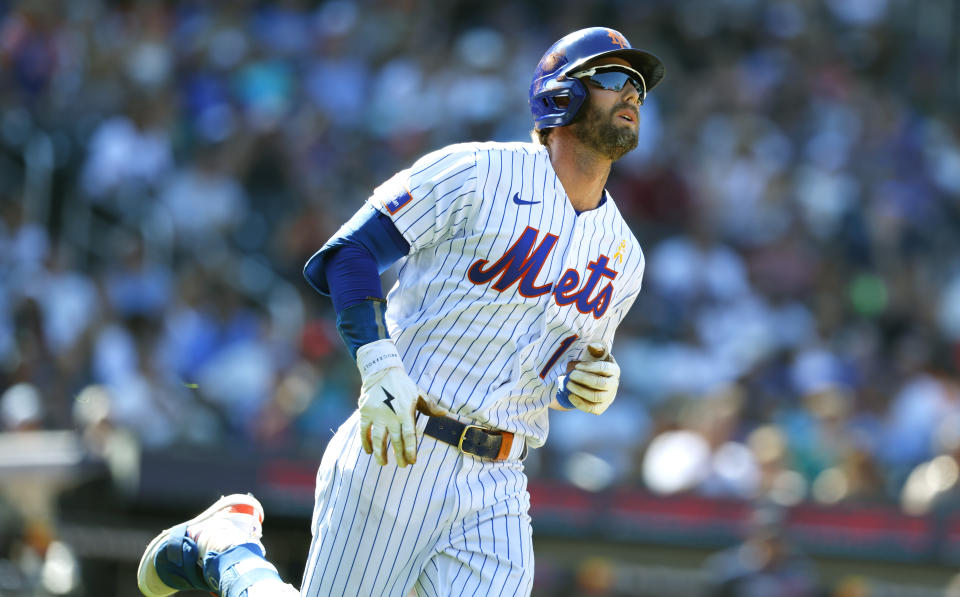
363	323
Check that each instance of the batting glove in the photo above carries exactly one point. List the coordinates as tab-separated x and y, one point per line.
592	384
388	401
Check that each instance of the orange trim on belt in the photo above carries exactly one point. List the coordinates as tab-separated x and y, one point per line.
506	442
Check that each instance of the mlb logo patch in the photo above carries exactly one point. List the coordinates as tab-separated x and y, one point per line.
398	202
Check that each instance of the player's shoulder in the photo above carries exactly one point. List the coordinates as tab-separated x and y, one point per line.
499	151
463	153
474	154
519	147
489	147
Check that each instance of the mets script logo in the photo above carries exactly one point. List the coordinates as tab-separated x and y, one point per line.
522	263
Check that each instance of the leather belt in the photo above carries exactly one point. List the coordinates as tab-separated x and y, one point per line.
475	440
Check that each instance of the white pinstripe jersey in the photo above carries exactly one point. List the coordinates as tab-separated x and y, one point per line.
505	283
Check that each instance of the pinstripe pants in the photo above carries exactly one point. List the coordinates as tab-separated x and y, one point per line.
451	524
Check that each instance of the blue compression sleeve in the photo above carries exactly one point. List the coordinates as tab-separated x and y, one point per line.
367	229
357	296
348	268
352	276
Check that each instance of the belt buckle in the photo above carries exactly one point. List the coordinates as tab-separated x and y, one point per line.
464	436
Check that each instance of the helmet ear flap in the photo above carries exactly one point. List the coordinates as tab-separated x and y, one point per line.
559	103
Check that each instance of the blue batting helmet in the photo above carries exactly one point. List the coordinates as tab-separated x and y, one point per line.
570	53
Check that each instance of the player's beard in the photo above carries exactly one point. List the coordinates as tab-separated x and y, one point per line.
599	132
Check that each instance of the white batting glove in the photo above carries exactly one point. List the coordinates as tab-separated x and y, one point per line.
388	400
593	382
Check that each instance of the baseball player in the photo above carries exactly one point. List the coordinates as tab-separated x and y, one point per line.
516	268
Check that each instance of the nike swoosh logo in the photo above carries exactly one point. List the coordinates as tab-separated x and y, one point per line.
519	201
388	400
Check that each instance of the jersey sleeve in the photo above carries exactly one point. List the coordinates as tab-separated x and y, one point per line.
432	200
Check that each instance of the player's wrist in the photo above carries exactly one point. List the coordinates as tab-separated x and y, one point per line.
363	324
562	396
377	356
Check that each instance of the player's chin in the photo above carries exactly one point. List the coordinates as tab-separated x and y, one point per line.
625	141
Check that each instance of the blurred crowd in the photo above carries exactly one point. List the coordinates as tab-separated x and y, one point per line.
167	168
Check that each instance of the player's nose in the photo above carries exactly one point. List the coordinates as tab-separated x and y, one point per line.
630	94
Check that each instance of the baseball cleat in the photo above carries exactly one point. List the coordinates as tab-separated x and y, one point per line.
173	560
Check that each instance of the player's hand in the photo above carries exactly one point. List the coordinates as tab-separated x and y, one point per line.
388	401
592	383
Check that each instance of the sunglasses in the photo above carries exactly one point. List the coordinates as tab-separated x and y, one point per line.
613	77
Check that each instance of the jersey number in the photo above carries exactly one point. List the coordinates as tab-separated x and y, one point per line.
565	345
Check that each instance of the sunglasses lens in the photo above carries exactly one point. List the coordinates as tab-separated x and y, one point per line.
615	81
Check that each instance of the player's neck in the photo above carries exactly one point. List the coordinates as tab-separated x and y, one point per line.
583	173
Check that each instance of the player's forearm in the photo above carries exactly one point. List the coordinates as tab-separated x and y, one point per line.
348	269
352	276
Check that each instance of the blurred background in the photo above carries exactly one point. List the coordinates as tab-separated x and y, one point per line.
788	423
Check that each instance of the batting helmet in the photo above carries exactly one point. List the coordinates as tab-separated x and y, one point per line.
570	53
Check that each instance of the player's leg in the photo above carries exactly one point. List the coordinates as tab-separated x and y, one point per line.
375	526
217	550
489	550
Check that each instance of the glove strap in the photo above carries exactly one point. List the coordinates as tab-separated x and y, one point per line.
377	356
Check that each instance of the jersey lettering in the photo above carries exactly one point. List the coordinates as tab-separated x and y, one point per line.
517	263
598	269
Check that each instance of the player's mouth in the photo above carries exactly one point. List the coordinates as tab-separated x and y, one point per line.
629	115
